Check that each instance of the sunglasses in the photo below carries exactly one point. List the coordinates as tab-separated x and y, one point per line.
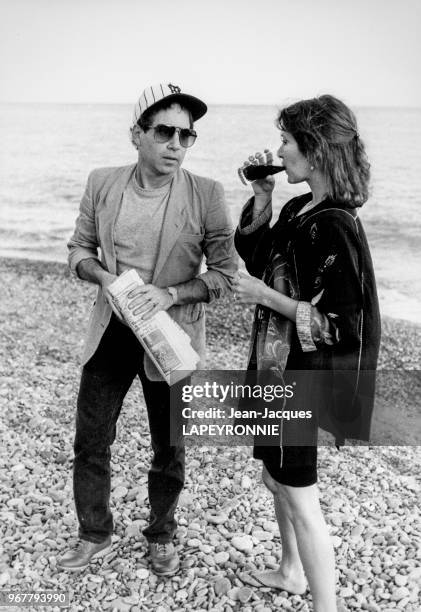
164	133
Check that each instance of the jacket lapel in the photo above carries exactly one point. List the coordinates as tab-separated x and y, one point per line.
109	204
173	221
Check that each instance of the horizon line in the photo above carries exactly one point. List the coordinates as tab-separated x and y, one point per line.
79	103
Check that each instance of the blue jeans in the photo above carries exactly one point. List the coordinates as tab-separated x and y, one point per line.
106	378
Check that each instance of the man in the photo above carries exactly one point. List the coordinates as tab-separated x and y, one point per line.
159	219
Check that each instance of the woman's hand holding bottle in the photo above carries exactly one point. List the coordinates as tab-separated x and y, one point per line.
262	187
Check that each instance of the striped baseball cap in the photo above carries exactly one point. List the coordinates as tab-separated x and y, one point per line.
166	91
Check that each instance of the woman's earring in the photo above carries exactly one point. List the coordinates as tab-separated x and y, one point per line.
312	168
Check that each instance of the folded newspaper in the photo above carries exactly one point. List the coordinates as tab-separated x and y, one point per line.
166	343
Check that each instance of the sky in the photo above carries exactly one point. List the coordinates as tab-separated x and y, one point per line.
225	51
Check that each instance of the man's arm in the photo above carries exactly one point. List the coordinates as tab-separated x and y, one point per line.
149	299
84	242
83	247
191	292
92	271
218	246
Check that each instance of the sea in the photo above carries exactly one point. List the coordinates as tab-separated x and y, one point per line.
47	151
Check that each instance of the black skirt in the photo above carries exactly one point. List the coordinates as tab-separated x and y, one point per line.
299	464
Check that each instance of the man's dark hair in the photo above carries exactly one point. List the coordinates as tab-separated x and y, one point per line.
146	119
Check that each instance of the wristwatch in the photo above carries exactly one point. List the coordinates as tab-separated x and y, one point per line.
173	293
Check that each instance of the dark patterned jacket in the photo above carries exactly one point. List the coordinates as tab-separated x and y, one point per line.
337	334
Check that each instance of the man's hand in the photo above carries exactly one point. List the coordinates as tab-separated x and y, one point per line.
92	271
106	279
148	300
249	289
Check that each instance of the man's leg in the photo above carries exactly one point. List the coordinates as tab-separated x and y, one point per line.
105	381
166	474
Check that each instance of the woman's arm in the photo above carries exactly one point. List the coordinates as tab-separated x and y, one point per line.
337	279
251	290
253	226
250	238
333	314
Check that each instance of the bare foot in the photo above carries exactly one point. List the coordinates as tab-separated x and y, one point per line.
277	580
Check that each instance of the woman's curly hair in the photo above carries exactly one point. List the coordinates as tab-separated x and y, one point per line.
326	133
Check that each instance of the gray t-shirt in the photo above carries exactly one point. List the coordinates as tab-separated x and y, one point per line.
138	228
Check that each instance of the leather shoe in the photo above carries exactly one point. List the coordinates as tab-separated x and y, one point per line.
164	558
79	557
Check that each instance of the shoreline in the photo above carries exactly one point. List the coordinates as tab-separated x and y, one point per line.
54	267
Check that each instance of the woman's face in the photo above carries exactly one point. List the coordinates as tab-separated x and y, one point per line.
296	165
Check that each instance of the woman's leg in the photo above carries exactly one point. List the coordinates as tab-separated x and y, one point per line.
302	509
290	575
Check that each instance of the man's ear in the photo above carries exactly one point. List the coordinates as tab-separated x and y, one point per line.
136	132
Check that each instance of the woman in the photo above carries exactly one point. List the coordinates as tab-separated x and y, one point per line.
313	283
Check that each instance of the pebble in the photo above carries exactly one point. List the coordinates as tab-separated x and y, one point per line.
401	580
262	535
357	532
248	579
222	586
194	543
346	592
120	492
207	549
244	594
246	482
415	575
233	593
221	557
271	526
400	593
195	527
216	518
158	597
141	495
118	605
181	595
142	573
57	496
62	458
243	543
132	530
209	560
411	483
185	500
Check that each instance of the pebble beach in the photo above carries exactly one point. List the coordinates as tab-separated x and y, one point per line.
227	529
